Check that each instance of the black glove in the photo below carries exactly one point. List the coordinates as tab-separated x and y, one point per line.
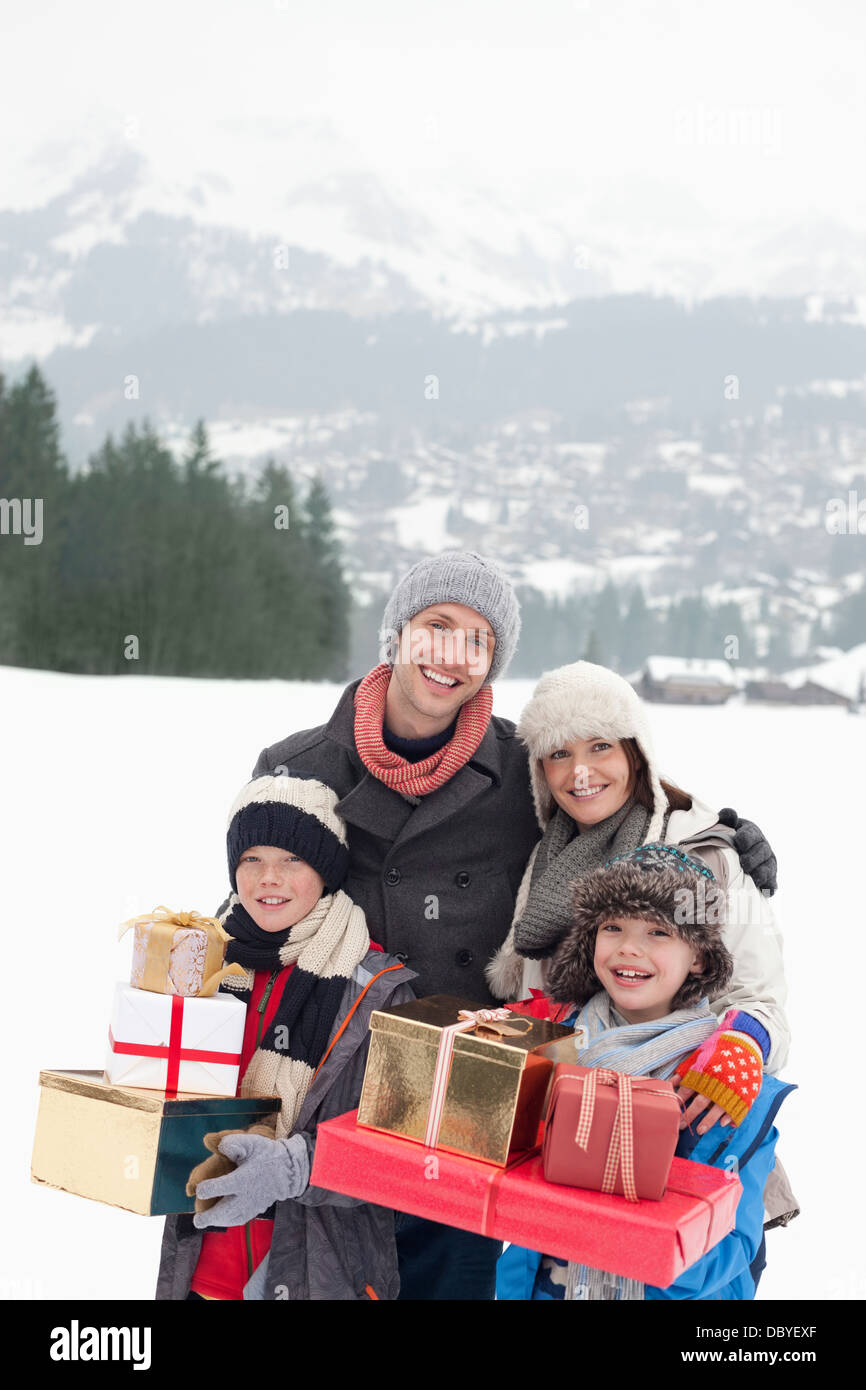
756	856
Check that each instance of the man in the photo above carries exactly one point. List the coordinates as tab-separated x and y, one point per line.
435	791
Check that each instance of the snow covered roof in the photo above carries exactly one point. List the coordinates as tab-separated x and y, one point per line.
696	670
841	674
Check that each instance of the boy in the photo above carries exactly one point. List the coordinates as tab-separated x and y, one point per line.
313	978
643	953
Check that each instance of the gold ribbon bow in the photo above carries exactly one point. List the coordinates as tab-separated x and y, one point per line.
157	965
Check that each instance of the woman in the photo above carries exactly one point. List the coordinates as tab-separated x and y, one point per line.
598	794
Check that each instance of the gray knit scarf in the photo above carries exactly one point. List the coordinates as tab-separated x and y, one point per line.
564	855
641	1049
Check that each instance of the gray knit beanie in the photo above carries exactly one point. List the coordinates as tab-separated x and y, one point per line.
456	576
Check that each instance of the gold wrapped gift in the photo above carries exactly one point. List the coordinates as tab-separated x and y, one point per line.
178	953
129	1148
457	1076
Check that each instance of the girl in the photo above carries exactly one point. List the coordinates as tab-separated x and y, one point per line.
644	951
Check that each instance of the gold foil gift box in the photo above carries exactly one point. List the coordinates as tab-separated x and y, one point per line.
457	1076
129	1148
178	953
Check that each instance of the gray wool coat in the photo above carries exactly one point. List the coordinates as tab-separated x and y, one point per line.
437	876
324	1246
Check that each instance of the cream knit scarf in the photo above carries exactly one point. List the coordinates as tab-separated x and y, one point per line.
325	947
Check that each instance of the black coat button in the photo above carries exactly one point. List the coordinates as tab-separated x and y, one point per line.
462	879
463	957
401	956
393	876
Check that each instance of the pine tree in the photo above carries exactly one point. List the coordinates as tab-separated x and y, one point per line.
207	617
31	462
199	459
34	483
686	628
638	632
212	576
333	597
606	625
283	583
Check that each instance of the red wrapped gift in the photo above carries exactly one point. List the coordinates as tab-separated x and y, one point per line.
652	1241
610	1131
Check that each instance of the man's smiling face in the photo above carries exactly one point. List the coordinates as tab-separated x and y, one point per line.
444	654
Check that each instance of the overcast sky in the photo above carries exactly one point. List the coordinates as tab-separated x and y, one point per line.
755	108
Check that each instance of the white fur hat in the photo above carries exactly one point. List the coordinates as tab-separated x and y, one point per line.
585	701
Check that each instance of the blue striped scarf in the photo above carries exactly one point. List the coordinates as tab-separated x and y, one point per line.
641	1049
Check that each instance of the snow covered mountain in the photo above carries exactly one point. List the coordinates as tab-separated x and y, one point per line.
464	365
115	245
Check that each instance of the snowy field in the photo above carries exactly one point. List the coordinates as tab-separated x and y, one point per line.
115	796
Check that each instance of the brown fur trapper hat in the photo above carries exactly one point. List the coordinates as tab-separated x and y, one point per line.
658	883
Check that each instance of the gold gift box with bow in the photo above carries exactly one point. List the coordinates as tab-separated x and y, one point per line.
496	1086
178	953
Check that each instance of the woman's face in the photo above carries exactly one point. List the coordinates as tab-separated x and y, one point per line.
276	888
590	778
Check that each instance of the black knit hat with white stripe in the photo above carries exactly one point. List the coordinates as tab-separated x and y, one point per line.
293	811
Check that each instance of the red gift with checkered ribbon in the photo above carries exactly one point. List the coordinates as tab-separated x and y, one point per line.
611	1132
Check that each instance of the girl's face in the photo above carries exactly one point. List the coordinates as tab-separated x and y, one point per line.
590	778
276	888
642	965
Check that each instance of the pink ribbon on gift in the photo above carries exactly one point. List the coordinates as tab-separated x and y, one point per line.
620	1153
471	1019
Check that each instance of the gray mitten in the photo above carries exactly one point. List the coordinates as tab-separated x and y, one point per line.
268	1171
754	851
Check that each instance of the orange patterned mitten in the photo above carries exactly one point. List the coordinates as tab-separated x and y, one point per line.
728	1069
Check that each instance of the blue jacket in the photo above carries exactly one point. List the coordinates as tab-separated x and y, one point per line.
723	1273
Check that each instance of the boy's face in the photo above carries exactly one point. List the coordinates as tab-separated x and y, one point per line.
642	966
590	778
276	888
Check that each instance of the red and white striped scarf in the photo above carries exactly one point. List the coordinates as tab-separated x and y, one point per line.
415	779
